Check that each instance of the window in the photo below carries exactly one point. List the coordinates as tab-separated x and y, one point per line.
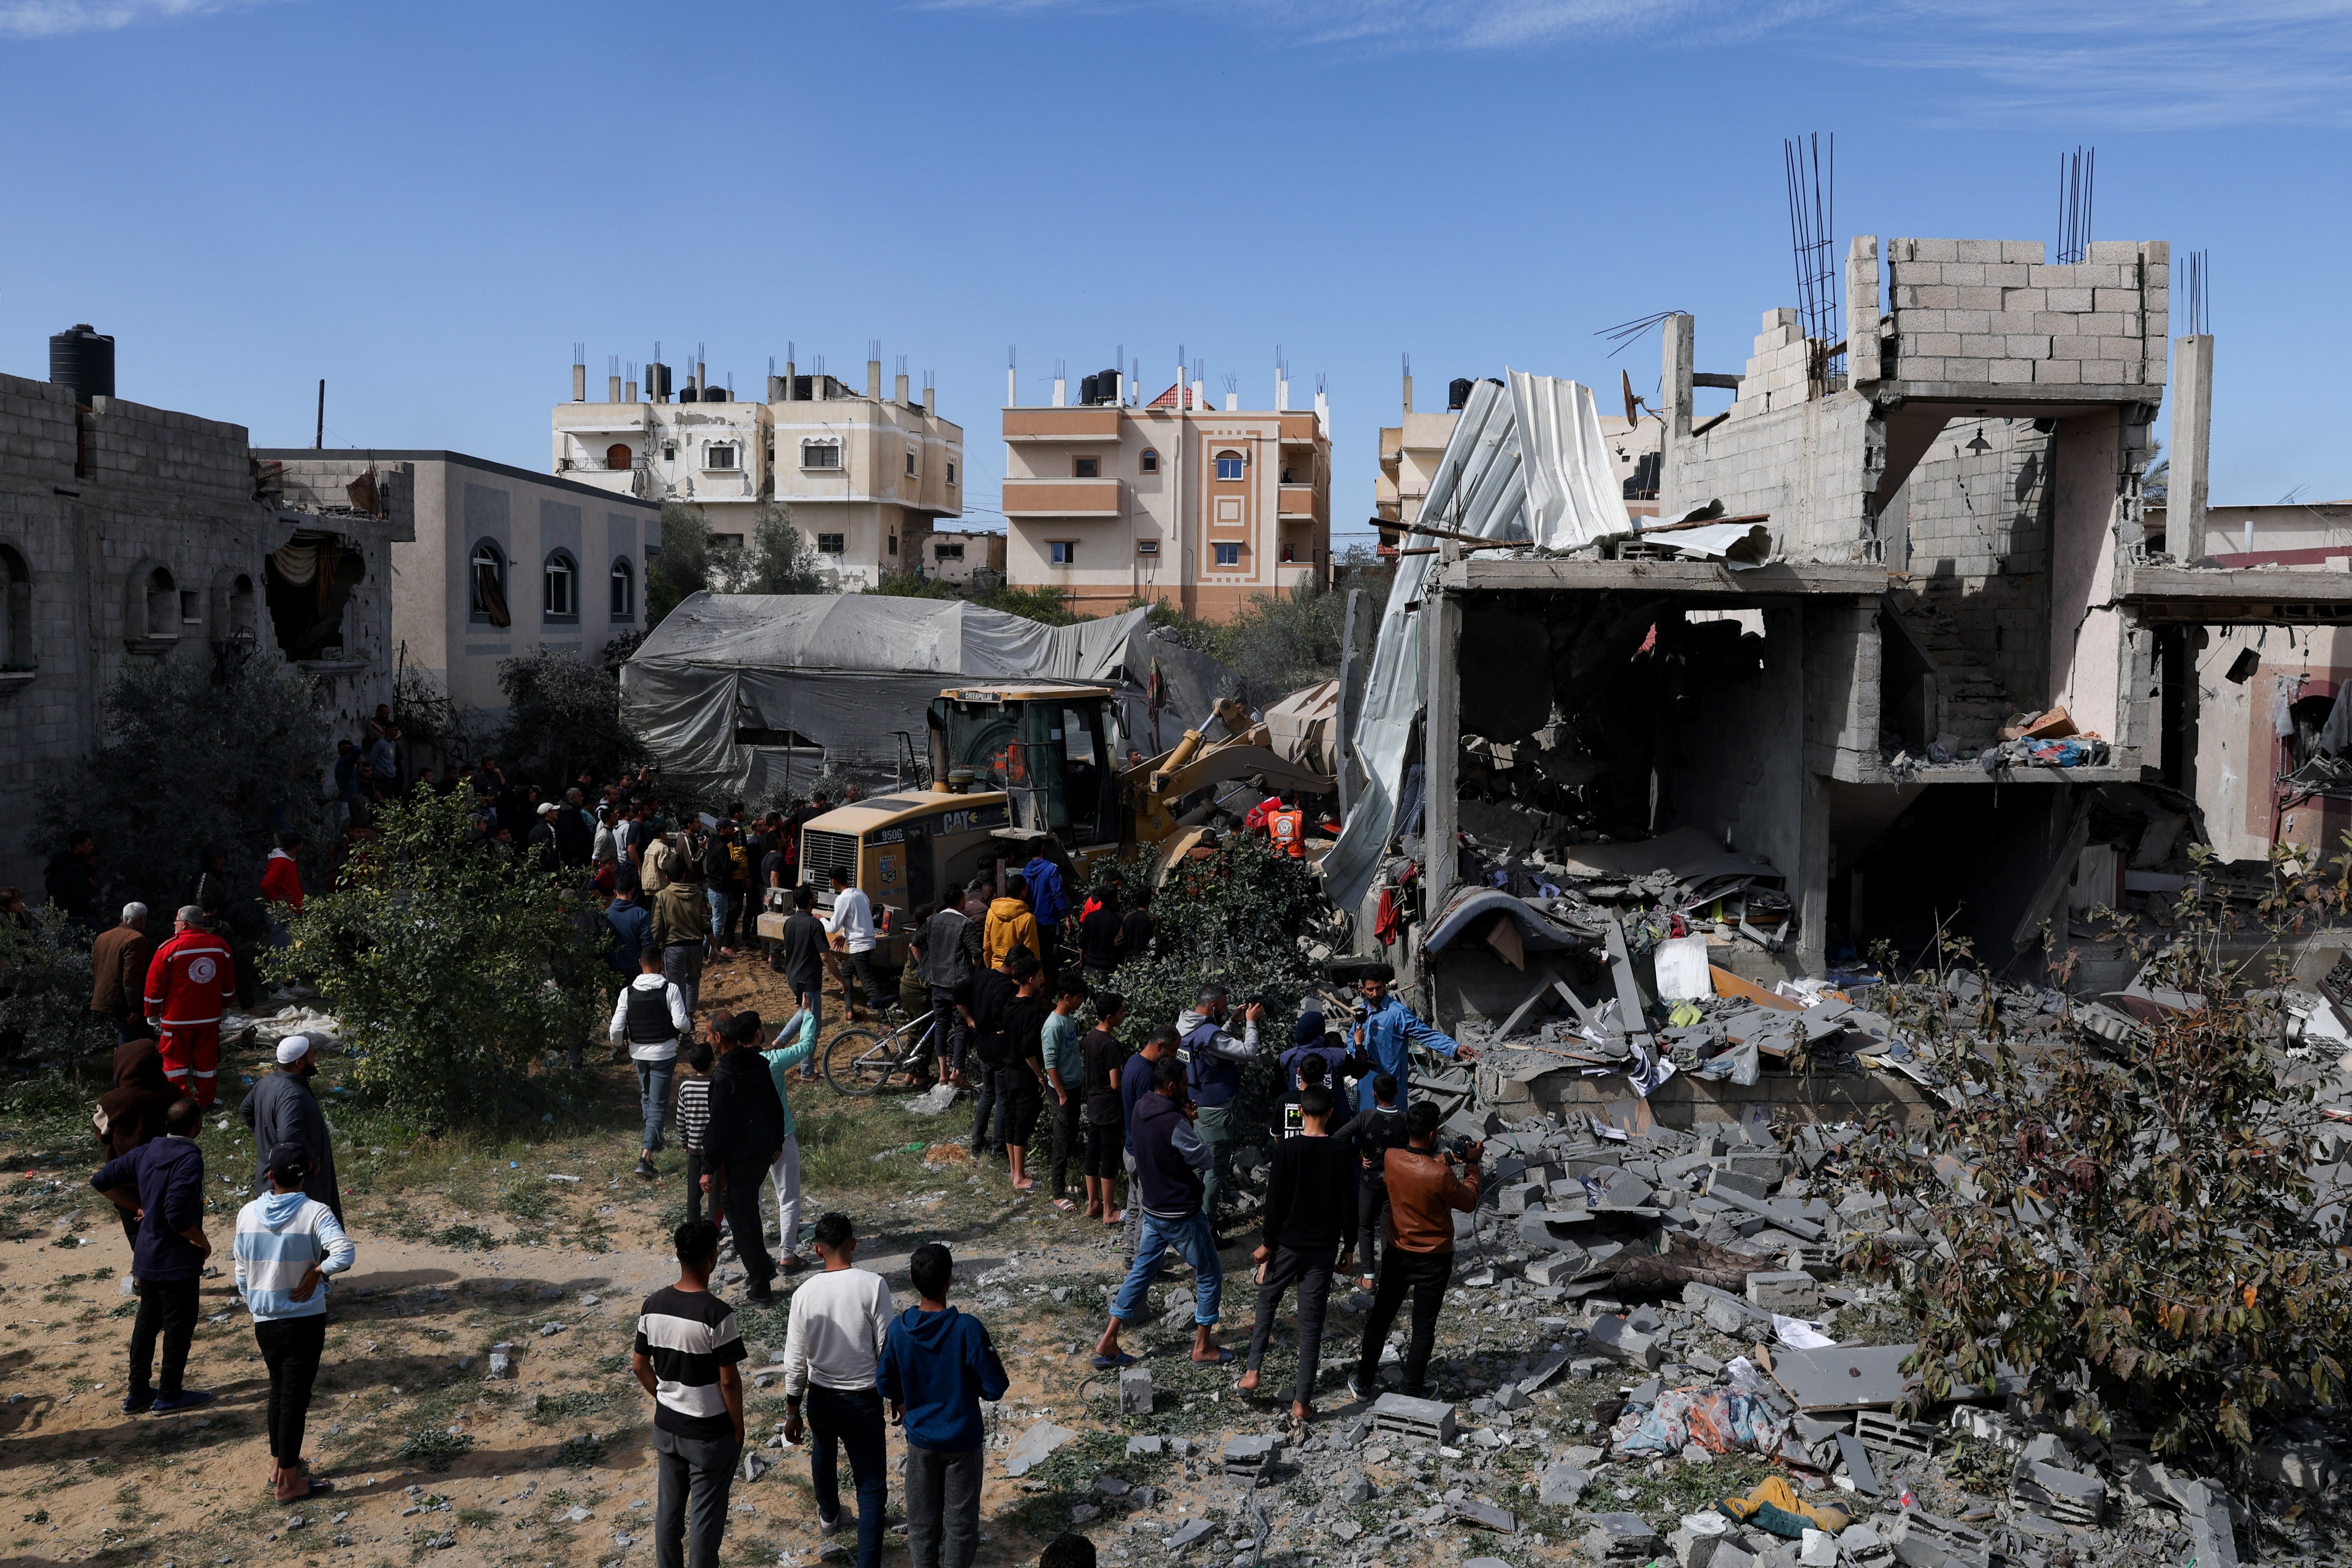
832	544
947	552
1085	467
894	543
911	459
820	454
1147	546
669	451
624	590
950	470
618	455
15	611
1149	461
720	455
1066	552
1229	555
1229	464
560	582
190	614
162	598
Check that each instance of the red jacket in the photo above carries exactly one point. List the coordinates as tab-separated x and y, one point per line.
190	980
281	880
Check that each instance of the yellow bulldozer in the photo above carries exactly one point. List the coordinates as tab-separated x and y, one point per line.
1022	766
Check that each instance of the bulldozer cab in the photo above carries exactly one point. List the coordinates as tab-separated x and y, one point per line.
1052	747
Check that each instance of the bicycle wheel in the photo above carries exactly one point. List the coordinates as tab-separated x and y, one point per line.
859	1060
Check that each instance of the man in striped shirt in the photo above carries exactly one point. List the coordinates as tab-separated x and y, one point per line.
687	1351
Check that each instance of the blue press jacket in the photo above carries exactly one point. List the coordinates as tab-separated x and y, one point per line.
1045	898
940	1367
1385	1036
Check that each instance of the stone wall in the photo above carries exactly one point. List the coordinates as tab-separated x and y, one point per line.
130	534
1811	466
1974	535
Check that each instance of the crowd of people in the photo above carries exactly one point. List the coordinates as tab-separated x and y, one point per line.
1022	990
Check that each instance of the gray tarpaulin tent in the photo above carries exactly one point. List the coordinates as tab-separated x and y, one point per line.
737	694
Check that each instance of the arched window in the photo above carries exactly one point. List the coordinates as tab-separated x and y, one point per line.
488	589
618	455
1229	464
1149	461
15	611
162	605
560	587
624	590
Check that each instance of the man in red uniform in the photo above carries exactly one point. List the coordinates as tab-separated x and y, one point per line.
189	984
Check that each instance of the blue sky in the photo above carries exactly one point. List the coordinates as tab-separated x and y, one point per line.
428	204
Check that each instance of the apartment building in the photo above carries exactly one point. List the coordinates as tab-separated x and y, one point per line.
864	476
1175	499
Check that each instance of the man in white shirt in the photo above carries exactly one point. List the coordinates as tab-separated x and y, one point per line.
853	921
833	1345
650	1017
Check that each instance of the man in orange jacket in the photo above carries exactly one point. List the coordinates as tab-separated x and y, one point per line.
189	983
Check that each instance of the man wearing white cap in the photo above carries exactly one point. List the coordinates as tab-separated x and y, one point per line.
282	1110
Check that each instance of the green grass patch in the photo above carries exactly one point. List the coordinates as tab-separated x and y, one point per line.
434	1447
550	1410
467	1238
583	1452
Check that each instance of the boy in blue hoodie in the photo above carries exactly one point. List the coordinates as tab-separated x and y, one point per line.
937	1366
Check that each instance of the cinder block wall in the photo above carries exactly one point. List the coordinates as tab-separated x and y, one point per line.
1975	527
1811	466
1983	311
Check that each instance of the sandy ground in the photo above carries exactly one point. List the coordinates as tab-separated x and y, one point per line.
412	1327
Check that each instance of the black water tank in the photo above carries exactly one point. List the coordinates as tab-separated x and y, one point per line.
83	360
714	394
657	381
1088	389
1106	384
1457	395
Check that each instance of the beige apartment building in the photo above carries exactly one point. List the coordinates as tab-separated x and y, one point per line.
864	476
1175	500
954	556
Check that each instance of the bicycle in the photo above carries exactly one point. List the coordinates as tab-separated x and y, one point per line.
860	1062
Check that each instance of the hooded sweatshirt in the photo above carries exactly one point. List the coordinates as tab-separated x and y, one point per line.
1169	1158
278	1236
1009	925
132	1112
940	1367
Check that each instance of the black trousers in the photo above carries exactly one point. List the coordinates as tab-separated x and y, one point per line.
1425	1275
1070	1141
1371	1203
694	1168
290	1348
946	1039
1311	1272
167	1307
984	1097
741	1203
1106	1141
860	967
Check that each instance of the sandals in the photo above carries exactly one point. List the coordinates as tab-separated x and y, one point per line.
1066	1206
1111	1363
1220	1359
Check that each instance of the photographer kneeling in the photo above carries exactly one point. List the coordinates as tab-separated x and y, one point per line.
1423	1194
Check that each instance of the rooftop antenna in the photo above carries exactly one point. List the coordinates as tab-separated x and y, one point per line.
1626	334
2077	175
2200	320
1812	169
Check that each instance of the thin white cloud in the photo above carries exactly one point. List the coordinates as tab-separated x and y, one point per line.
52	18
2129	63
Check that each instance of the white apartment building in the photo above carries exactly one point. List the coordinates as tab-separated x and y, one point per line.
862	476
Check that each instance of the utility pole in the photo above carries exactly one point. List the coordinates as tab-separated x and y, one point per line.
319	441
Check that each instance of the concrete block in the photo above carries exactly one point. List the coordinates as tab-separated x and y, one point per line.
1979	296
2006	275
1787	1291
2120	251
2058	372
1622	1537
2025	346
2116	298
1978	250
1937	295
1612	1337
1932	249
2025	299
1970	274
2013	373
1983	346
1780	316
1135	1391
2110	373
1965	369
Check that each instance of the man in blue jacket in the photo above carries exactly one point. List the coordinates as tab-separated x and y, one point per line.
1050	906
1387	1033
937	1366
168	1256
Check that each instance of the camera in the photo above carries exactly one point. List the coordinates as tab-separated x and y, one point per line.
1460	1147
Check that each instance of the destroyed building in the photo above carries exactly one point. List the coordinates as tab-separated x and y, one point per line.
132	533
1903	660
